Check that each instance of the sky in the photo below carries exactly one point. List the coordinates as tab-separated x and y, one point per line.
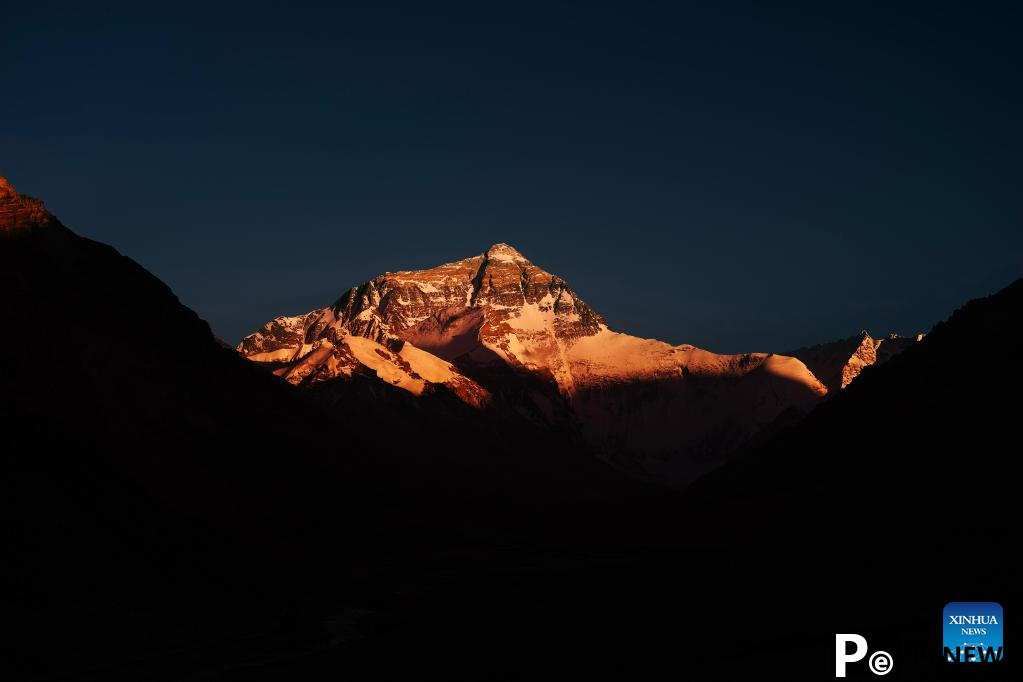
739	176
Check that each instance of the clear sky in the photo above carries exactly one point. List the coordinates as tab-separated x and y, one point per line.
743	177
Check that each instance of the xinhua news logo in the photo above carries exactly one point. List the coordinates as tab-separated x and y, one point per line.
971	632
851	649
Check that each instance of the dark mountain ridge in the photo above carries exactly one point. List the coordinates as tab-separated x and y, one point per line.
176	511
150	474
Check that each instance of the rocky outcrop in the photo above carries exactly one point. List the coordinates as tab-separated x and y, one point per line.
495	328
838	363
20	213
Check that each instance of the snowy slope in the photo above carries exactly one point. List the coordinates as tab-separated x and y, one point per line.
400	364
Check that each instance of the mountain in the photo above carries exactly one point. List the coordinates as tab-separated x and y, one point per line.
137	452
175	512
495	329
838	363
109	358
936	422
164	495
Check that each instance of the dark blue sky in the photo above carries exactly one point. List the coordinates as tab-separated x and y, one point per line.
737	176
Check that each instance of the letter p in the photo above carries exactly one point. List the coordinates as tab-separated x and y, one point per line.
841	658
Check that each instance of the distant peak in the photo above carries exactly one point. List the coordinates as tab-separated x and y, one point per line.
506	252
5	188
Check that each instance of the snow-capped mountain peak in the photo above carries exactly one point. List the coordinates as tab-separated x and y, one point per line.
497	299
482	326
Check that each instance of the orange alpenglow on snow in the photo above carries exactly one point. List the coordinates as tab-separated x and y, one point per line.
671	409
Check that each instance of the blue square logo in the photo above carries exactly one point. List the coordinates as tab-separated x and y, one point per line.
975	628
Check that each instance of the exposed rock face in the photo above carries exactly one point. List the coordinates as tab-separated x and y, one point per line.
19	213
838	363
497	326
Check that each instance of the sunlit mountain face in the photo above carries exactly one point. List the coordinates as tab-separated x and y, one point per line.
484	327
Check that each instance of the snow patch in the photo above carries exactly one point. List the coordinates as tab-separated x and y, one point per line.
427	365
380	360
279	355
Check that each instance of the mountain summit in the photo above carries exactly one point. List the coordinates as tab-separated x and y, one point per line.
505	251
497	329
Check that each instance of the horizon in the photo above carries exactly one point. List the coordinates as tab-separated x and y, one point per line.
873	333
755	180
877	334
